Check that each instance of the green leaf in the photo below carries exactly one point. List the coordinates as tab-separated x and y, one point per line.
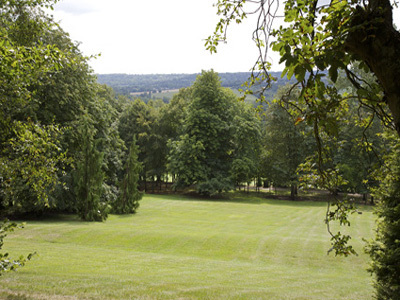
333	73
300	73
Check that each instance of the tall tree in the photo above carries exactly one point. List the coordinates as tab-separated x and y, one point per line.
25	61
246	128
285	145
138	119
89	176
128	200
202	156
170	123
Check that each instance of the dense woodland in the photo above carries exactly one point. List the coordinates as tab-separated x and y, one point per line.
71	144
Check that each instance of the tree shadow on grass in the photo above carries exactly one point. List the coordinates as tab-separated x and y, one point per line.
258	198
51	218
238	197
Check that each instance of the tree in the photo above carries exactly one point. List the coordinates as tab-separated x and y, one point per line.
128	200
156	148
57	100
316	41
170	124
246	127
201	156
285	145
89	176
22	64
138	119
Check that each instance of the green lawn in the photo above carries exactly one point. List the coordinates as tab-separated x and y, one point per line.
183	248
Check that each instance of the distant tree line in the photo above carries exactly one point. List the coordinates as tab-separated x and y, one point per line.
127	84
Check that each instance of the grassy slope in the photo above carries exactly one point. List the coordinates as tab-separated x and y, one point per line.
190	249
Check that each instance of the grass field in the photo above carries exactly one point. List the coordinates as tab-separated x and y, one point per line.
184	248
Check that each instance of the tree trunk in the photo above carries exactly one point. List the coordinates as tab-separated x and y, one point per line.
375	41
293	191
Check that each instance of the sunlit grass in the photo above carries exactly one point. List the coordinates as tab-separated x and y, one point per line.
185	248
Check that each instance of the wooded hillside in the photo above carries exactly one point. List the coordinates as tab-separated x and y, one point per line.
127	84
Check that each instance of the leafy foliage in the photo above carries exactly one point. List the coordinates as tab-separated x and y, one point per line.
384	250
246	128
30	152
201	155
29	166
286	143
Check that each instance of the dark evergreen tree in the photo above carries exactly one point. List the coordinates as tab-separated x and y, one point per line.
89	176
128	200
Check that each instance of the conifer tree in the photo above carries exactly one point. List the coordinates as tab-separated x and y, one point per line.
89	176
128	201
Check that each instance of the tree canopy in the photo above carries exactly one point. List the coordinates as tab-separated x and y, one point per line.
203	154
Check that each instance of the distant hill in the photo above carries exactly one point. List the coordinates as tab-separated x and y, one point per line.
127	84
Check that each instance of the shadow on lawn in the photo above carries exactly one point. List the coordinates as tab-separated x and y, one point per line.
259	198
50	218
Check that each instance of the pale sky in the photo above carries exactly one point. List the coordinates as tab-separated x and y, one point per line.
156	36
